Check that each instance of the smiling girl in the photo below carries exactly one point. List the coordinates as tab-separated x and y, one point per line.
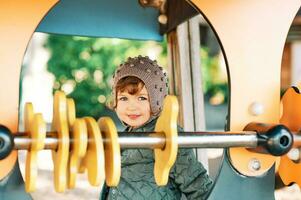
133	106
140	86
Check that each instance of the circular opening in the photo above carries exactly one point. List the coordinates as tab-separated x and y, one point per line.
284	141
102	56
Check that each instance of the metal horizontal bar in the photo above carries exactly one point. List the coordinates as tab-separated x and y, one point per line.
157	140
188	140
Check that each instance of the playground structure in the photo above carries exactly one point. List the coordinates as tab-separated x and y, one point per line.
252	50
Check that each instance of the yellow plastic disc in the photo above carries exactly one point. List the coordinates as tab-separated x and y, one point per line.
94	160
112	151
78	133
36	128
61	154
167	124
79	147
71	113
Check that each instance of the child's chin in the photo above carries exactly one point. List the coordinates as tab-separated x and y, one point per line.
135	125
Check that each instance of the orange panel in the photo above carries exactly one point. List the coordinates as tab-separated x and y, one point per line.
291	116
289	171
18	20
253	34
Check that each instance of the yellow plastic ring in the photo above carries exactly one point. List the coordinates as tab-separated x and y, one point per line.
112	151
61	154
167	124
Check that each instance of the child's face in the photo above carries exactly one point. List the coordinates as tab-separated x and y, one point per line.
134	109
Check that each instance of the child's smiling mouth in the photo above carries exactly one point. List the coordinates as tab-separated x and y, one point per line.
133	116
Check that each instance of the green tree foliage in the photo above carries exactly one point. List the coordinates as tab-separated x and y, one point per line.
215	84
83	67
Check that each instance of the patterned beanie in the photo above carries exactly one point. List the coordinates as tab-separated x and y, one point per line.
150	73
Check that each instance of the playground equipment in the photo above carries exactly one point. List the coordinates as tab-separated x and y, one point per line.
252	39
273	139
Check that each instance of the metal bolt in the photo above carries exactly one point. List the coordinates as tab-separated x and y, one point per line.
294	154
254	164
162	19
144	1
256	109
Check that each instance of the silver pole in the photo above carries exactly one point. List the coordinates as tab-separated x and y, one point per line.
25	142
157	140
217	141
189	140
151	140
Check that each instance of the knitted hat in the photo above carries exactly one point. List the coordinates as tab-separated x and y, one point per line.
150	73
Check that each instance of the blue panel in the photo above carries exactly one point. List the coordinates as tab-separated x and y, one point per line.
12	187
232	185
102	18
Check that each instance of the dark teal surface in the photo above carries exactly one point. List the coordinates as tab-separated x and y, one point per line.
12	186
230	185
102	18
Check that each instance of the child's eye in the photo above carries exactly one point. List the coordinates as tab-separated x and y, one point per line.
142	98
122	98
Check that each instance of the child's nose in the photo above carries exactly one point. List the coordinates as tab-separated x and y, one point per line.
132	106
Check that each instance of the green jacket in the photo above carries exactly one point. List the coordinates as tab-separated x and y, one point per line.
187	176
